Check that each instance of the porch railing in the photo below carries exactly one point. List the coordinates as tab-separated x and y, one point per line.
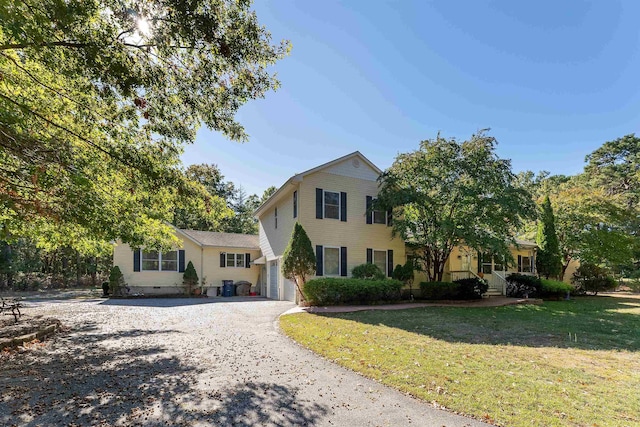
498	281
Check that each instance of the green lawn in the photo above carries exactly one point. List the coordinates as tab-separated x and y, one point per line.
562	363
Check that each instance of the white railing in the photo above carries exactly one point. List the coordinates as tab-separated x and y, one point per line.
497	281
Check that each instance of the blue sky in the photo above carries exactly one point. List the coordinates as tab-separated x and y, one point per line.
553	80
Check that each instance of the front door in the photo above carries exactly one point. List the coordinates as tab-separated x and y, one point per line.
273	279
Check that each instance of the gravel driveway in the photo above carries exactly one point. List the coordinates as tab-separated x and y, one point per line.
190	362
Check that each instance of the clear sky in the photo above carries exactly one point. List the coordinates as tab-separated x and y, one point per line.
553	80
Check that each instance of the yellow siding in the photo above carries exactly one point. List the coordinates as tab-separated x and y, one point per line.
355	233
206	262
274	241
571	268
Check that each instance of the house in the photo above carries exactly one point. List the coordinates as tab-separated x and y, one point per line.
331	202
215	256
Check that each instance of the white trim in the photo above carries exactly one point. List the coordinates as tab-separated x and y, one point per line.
324	261
177	270
324	204
235	260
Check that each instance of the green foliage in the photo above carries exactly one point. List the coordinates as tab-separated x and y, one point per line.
95	112
299	260
189	279
523	286
334	291
554	288
439	290
368	271
591	278
548	263
472	288
404	273
448	193
116	281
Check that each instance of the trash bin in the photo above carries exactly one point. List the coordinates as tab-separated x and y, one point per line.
228	290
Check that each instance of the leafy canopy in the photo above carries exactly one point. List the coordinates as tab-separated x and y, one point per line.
447	193
97	98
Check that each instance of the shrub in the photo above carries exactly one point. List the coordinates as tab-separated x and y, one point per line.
592	279
189	279
523	286
439	290
116	281
554	288
333	291
471	288
367	271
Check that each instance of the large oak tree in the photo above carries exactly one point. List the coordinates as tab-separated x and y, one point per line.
97	99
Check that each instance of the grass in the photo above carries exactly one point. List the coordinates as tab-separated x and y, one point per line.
569	363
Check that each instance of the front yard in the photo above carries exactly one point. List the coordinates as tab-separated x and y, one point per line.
562	363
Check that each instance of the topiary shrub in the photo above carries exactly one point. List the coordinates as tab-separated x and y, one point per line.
335	291
472	288
189	279
523	286
554	289
116	281
439	290
367	271
590	278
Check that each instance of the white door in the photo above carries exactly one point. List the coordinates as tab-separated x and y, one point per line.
273	280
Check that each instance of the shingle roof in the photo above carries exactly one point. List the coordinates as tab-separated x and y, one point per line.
227	240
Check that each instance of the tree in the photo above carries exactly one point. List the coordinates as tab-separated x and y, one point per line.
299	260
189	279
548	263
448	193
99	96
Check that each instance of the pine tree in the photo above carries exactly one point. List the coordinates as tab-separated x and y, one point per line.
299	260
548	260
190	279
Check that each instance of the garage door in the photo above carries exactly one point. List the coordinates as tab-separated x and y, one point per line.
289	290
273	280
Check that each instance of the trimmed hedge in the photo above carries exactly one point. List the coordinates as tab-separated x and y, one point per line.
523	286
367	271
463	289
335	291
554	288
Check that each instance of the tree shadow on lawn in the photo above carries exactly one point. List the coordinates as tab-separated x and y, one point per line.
177	301
90	377
592	323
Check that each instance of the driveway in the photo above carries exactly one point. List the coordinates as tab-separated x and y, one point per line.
190	362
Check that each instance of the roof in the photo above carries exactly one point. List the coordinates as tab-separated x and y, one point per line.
299	176
226	240
526	243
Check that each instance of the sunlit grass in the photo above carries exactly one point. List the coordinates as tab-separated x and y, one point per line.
563	363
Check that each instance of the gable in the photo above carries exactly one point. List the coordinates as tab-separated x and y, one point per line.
354	167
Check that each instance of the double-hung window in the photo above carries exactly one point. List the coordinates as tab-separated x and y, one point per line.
380	259
235	260
331	205
526	264
159	261
331	261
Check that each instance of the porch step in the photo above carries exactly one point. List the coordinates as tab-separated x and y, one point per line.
492	293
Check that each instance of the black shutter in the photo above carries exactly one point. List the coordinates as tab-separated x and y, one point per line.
519	263
295	204
136	259
389	262
369	256
181	261
369	211
343	261
247	260
479	262
319	262
223	259
319	201
389	217
533	263
343	206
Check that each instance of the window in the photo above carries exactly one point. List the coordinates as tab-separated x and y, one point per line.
499	264
331	261
379	217
331	205
235	260
295	204
156	261
525	266
486	263
380	259
276	216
